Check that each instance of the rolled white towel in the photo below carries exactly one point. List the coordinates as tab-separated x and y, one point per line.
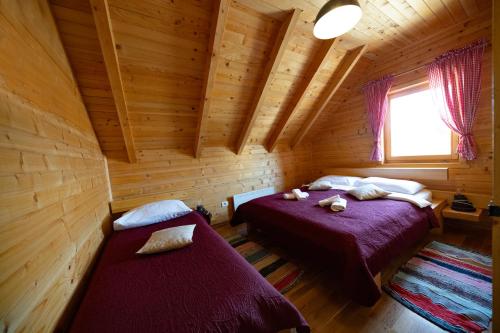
299	195
328	201
288	196
302	196
339	205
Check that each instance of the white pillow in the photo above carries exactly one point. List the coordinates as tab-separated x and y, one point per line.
340	180
168	239
367	192
320	185
424	194
342	187
151	213
393	185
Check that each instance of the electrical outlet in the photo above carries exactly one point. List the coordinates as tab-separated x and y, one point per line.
224	204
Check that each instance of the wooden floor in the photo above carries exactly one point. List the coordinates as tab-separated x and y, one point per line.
327	309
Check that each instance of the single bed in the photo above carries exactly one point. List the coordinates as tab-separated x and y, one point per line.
356	243
205	287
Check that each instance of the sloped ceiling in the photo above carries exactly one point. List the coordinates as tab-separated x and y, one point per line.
162	50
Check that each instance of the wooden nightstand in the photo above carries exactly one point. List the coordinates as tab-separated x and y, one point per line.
480	215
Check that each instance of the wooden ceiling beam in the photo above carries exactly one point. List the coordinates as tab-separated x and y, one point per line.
219	16
100	10
319	61
342	71
279	48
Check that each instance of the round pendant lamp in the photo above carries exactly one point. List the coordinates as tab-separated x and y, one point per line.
336	18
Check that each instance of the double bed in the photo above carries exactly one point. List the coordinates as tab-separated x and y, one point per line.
356	243
205	287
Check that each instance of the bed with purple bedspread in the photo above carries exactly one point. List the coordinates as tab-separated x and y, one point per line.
356	243
205	287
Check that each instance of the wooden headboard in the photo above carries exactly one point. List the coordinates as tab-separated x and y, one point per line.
419	173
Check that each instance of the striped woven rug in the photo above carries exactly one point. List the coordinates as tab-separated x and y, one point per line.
282	274
448	286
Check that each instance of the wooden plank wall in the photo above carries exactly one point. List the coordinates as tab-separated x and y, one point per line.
161	48
496	175
164	87
53	185
215	177
54	189
343	137
79	37
162	51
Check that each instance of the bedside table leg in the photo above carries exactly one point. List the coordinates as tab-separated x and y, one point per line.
439	230
438	212
378	281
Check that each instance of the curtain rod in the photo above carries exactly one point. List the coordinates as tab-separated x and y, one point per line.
411	70
487	44
406	72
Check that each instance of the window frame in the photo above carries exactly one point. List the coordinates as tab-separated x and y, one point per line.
453	157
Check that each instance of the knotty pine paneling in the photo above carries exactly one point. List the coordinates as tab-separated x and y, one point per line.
342	136
162	50
162	53
79	36
247	42
54	191
161	47
215	177
53	186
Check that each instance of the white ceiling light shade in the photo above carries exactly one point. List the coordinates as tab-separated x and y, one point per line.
336	18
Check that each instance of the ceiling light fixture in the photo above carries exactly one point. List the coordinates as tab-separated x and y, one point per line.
336	18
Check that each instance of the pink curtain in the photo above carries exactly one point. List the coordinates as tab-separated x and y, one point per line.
455	78
376	106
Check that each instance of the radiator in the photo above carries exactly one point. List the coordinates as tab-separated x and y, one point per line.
239	199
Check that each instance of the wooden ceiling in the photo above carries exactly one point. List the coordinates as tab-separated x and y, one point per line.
158	75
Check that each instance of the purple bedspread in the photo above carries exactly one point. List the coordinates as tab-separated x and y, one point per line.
205	287
356	243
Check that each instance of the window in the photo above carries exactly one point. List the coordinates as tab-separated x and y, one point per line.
414	130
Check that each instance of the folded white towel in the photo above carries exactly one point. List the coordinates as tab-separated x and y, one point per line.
413	199
339	205
328	201
299	195
288	196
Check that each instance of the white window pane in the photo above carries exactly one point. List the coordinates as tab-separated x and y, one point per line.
416	128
